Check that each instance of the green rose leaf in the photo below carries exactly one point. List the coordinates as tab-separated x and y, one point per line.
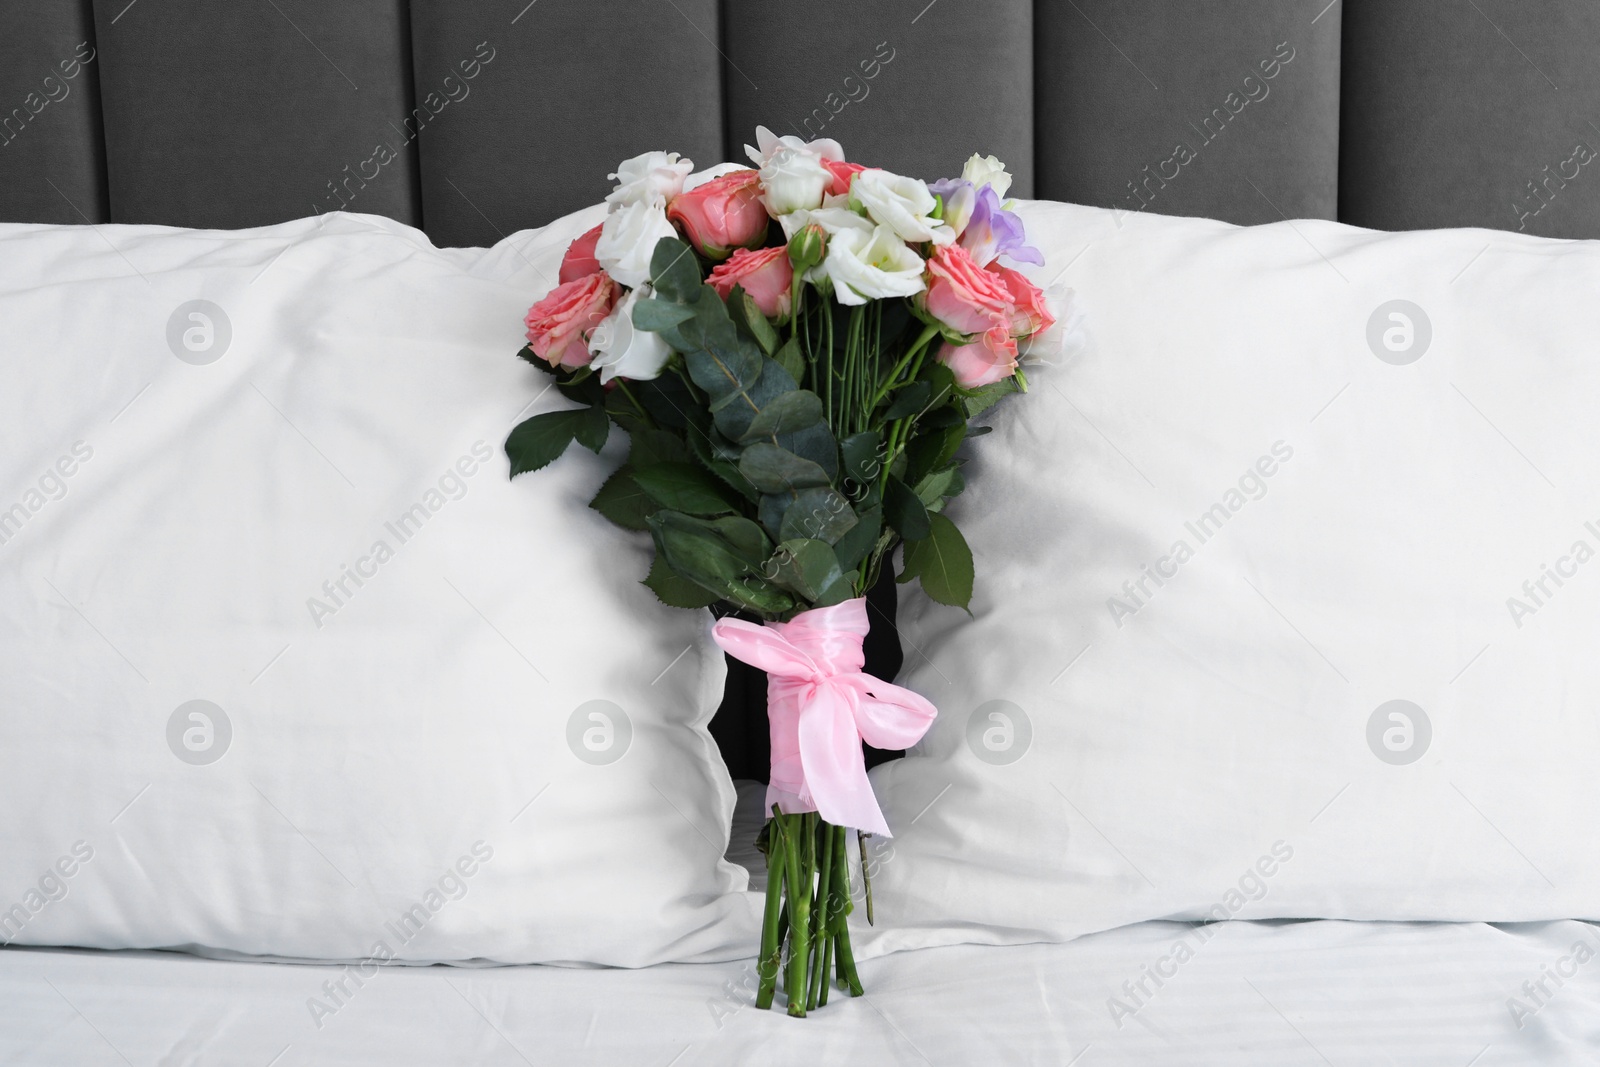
526	354
976	401
905	511
649	445
932	489
676	592
942	561
777	470
683	487
862	462
622	501
675	272
799	409
910	400
538	441
933	450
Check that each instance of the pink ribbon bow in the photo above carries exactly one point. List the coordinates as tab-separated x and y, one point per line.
821	707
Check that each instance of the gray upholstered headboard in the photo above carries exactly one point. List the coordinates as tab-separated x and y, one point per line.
473	118
476	118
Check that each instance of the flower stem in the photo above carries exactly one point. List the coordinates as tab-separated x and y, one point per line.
622	383
927	334
771	943
841	940
801	861
821	926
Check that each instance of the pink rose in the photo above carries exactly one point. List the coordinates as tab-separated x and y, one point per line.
579	261
989	359
723	214
962	295
842	173
765	274
1029	313
558	325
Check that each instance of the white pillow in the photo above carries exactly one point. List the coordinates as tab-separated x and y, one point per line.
263	470
1365	444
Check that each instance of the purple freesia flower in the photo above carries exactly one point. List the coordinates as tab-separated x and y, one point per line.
993	232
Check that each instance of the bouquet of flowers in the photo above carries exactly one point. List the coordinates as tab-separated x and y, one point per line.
796	352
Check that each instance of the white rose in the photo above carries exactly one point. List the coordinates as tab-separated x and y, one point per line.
834	215
620	350
628	239
792	180
768	143
868	265
900	203
654	177
987	170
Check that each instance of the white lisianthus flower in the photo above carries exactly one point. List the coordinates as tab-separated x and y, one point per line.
793	180
768	143
654	177
987	170
868	265
834	215
903	204
628	239
622	351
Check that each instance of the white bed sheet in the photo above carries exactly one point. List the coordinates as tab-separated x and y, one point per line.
1277	994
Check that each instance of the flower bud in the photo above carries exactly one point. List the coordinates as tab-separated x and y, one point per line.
807	247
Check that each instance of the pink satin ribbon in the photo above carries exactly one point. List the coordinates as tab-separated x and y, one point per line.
821	707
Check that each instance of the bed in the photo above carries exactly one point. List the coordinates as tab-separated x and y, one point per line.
1388	114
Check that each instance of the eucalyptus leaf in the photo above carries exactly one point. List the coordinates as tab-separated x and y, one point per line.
674	271
815	443
734	410
655	315
772	508
776	470
857	542
709	453
765	335
792	359
799	409
820	513
721	556
863	462
804	566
